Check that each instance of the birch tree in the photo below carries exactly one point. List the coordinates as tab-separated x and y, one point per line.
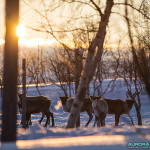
95	52
140	54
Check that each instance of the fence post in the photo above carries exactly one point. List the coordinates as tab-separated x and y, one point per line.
24	93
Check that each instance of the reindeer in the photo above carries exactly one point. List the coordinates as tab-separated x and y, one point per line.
37	104
102	107
86	106
100	110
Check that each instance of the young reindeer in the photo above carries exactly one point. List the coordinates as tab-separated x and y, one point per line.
117	107
37	104
86	107
100	110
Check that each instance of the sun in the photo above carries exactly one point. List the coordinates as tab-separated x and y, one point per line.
20	30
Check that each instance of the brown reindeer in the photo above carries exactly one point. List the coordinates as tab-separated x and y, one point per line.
86	106
104	106
37	104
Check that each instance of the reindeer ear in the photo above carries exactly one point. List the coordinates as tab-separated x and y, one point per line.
20	96
66	97
60	97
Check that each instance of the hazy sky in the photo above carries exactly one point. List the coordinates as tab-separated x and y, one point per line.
29	17
1	19
26	17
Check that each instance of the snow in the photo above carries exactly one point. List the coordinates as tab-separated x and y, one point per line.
106	138
58	137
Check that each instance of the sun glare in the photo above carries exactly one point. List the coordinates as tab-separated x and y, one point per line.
20	30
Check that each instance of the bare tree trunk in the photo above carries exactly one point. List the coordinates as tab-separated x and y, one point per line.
138	113
77	67
10	72
142	72
77	77
138	67
90	65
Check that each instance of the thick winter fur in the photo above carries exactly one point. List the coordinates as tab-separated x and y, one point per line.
86	107
117	107
37	104
100	109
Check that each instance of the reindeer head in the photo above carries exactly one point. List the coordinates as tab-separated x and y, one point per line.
20	97
130	104
63	99
94	100
19	103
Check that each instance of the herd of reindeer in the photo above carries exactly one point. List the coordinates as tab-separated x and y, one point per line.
93	104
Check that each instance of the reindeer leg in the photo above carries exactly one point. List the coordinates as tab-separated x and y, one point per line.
98	122
90	117
117	116
48	118
43	115
103	119
95	121
28	116
52	117
131	120
30	122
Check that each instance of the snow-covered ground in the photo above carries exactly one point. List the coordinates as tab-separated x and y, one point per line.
107	138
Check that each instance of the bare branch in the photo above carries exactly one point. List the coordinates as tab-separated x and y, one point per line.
133	7
98	8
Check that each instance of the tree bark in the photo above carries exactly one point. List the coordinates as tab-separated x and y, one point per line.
78	67
77	78
90	65
9	101
138	113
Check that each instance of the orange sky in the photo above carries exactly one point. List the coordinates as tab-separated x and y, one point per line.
33	38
